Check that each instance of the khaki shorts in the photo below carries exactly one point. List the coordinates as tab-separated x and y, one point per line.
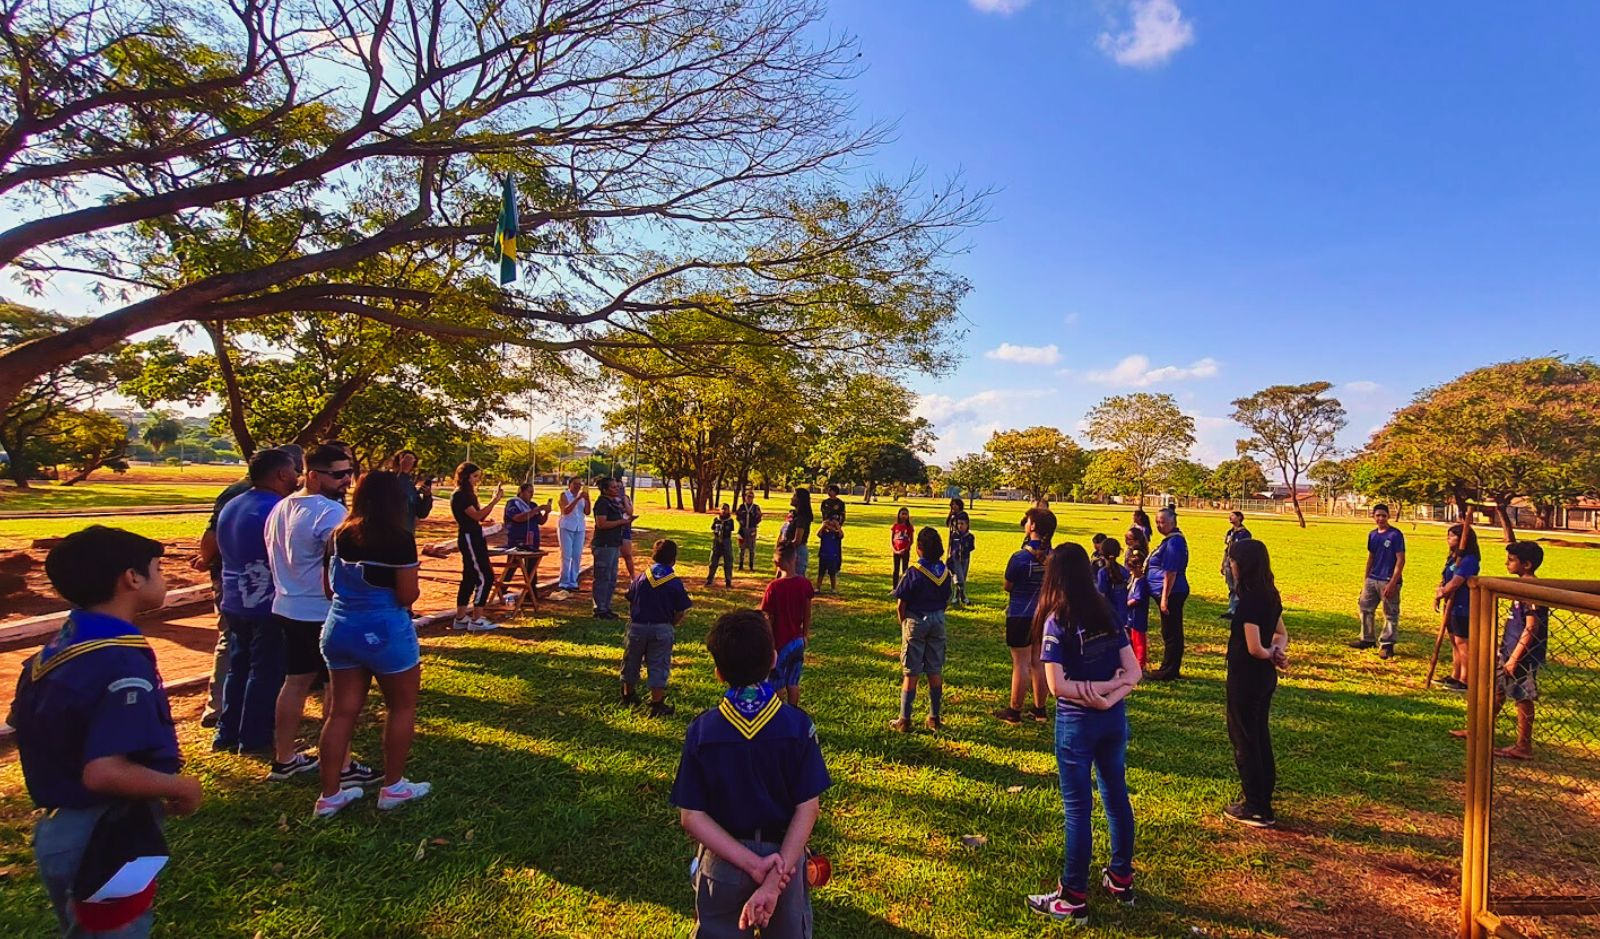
922	642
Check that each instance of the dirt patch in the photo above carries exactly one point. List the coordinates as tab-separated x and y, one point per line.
25	590
1564	543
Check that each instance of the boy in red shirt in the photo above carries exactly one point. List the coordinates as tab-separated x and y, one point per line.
787	604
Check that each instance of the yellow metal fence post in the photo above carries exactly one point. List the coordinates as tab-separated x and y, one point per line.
1479	764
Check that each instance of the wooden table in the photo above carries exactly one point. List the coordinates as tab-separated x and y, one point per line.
515	558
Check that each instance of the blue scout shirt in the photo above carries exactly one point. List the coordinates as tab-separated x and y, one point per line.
657	596
241	537
1385	547
1517	623
749	761
722	531
1170	559
832	548
925	587
1025	573
92	691
1464	566
1117	596
524	534
961	545
1139	613
1083	658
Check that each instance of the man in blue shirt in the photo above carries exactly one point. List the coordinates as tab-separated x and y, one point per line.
93	726
255	642
1167	574
1386	560
749	789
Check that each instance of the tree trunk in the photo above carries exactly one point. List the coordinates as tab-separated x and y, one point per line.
235	398
1507	528
677	482
321	424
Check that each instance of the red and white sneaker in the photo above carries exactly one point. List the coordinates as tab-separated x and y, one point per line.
1118	888
1061	906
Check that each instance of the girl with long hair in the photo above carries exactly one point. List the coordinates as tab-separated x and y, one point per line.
1023	578
372	579
1141	521
900	538
1257	647
1090	668
800	528
476	575
1137	543
1453	596
1111	579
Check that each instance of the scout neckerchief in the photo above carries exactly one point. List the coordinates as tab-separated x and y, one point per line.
933	570
659	574
83	633
749	708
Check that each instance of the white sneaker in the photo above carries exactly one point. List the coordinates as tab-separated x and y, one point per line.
462	623
482	625
403	791
329	806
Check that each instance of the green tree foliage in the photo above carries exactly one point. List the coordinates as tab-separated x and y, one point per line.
1038	460
1236	479
1333	478
345	157
874	461
974	474
30	421
86	441
1112	473
1147	429
1523	429
1293	427
1187	478
161	432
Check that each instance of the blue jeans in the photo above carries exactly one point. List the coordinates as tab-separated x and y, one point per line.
605	576
1097	741
59	840
571	557
256	661
802	558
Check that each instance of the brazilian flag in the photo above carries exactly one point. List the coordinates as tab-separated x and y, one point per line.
505	234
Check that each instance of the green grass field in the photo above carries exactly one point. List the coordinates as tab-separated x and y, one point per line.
18	533
550	814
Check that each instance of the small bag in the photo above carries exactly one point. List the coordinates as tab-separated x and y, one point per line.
116	880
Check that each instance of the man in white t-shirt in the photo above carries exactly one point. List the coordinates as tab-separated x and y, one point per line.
298	532
571	527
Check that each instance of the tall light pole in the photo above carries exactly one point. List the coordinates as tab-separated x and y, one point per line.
633	472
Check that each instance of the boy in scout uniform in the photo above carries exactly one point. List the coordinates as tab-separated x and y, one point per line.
748	790
94	730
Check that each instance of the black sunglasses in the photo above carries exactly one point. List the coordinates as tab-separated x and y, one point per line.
336	474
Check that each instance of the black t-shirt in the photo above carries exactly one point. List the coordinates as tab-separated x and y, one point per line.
833	507
1263	610
609	509
400	552
461	500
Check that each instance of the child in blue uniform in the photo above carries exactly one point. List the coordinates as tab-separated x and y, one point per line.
1454	596
94	729
1524	647
830	552
1111	580
749	789
961	546
657	602
923	594
1138	606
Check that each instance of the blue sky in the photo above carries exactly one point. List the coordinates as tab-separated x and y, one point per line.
1206	198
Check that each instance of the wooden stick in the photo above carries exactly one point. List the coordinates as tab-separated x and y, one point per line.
1438	644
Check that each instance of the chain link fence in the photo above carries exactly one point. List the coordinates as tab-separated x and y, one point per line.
1531	857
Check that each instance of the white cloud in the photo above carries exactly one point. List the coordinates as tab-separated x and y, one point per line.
1360	387
940	408
1002	7
1214	438
1157	32
1135	372
1025	355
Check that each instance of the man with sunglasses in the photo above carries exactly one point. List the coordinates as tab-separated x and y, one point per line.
297	534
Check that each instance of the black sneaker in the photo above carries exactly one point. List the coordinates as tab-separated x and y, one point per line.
1010	716
1387	652
359	774
1361	643
1246	815
604	614
630	698
302	763
1040	715
1450	681
662	709
1119	888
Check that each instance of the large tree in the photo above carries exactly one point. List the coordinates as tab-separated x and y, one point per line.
1241	478
267	158
1037	460
1187	478
1147	429
1111	473
1333	478
1293	427
1523	429
973	473
30	422
85	441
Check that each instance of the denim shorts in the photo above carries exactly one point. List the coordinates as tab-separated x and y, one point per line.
791	662
383	643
